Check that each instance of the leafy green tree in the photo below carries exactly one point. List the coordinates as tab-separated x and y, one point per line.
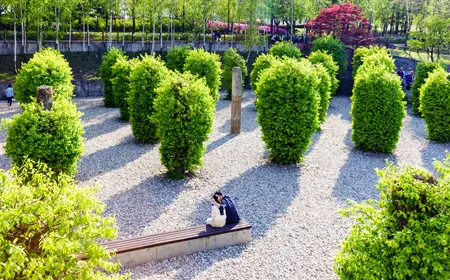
285	49
49	223
47	67
49	133
404	235
145	78
232	59
287	105
423	70
176	58
435	105
326	60
336	49
184	112
109	59
205	65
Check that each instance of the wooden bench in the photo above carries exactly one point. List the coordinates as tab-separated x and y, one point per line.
139	250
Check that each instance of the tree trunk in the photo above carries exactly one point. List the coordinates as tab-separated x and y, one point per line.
133	19
70	32
154	26
15	42
57	28
143	32
84	28
161	33
110	23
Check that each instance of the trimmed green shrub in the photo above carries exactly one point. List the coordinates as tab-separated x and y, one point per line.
146	76
50	136
287	106
46	67
323	89
322	57
424	68
404	235
362	52
232	59
285	49
48	223
184	112
120	80
435	105
205	65
261	63
378	60
377	109
109	59
335	48
176	58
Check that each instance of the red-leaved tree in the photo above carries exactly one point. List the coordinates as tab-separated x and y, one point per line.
345	21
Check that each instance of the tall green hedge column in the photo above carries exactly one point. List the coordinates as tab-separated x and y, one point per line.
377	109
184	116
109	59
146	76
424	68
287	105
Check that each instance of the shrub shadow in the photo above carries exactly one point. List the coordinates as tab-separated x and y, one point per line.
107	126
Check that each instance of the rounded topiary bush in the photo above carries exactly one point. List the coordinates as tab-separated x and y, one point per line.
146	76
232	59
377	60
109	59
176	58
120	80
435	105
423	69
287	106
323	89
46	67
205	65
261	63
335	48
326	60
377	110
46	132
184	112
285	49
404	235
362	52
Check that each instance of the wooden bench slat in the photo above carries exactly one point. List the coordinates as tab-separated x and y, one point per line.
131	244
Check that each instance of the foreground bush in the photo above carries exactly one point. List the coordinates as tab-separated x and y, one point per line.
362	52
261	63
48	222
287	105
109	59
176	58
49	134
205	65
423	69
378	60
46	67
404	235
230	60
285	49
435	105
184	116
336	49
120	80
323	88
146	76
377	110
326	60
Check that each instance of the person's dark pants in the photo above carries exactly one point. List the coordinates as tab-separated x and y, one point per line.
9	100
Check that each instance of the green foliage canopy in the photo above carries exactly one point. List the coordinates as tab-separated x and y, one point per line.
176	58
362	52
326	60
335	48
230	60
109	59
285	49
261	63
424	68
120	80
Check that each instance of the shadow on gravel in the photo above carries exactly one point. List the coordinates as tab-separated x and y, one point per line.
5	162
107	126
434	151
262	195
139	206
340	106
357	179
111	158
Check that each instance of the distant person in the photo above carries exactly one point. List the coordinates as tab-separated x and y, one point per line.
9	94
218	215
224	203
409	78
401	75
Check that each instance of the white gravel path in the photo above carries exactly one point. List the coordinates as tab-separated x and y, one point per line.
293	210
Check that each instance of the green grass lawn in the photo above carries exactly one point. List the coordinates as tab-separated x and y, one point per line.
421	56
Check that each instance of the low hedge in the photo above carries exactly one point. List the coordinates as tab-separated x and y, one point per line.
176	58
262	63
326	60
362	52
335	48
377	60
184	112
109	59
424	68
285	49
435	105
145	78
287	105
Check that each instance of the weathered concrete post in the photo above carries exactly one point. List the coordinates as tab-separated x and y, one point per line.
236	100
44	97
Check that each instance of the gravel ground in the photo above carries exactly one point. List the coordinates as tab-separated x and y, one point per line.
293	210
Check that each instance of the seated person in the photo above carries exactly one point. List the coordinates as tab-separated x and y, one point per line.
224	202
218	216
